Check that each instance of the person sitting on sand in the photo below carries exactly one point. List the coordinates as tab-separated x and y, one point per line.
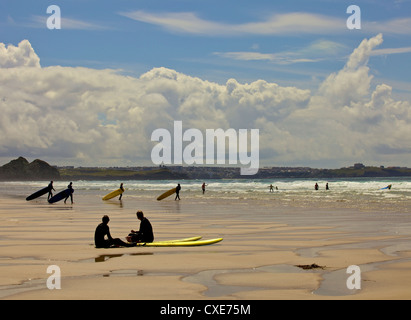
145	234
102	231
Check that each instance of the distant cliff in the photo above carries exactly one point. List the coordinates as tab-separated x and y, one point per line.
21	169
120	174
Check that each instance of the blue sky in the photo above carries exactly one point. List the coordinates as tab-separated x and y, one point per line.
295	44
104	34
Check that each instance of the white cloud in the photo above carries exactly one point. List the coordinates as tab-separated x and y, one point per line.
84	116
388	51
276	24
394	26
69	24
288	23
316	51
21	56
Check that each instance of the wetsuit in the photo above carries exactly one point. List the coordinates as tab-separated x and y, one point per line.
145	234
50	186
178	188
70	187
103	230
122	189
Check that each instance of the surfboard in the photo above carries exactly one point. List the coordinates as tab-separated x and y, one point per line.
180	240
38	193
387	187
166	194
113	194
61	195
179	243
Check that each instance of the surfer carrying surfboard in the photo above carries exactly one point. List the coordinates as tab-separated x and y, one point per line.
70	187
178	188
145	234
121	194
50	186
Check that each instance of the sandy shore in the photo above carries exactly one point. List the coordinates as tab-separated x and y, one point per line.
263	244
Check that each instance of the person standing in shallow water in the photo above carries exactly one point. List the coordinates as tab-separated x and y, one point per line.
122	188
50	186
70	186
178	188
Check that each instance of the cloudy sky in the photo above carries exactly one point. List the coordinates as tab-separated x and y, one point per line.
93	92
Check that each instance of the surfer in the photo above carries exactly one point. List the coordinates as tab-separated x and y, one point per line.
203	187
50	186
326	186
316	186
70	186
145	234
271	188
121	187
102	231
178	188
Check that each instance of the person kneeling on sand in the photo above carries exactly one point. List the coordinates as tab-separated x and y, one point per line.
102	231
145	234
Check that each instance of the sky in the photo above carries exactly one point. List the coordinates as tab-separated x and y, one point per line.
92	93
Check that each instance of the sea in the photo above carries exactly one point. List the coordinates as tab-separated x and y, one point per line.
359	193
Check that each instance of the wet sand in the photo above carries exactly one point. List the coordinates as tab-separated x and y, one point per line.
263	244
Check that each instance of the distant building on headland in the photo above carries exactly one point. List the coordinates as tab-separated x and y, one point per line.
358	166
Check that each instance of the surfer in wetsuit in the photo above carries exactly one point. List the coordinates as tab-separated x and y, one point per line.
102	231
50	186
316	186
178	188
70	186
203	187
145	234
121	187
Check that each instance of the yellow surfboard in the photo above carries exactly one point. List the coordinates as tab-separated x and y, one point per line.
113	194
179	243
166	194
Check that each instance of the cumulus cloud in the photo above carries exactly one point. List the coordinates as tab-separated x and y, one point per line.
21	56
84	116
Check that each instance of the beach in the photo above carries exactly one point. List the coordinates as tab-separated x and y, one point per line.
266	244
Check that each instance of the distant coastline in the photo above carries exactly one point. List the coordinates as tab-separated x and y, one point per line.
21	170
